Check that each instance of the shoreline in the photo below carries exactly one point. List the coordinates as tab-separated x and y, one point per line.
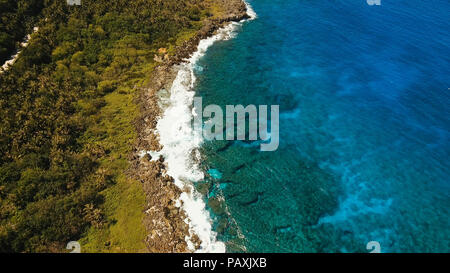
176	217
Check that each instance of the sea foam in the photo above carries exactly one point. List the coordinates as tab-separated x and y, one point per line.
181	143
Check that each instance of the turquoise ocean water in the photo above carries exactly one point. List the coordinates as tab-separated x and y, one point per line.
364	128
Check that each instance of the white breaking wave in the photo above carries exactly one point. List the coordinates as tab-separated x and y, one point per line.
250	11
181	143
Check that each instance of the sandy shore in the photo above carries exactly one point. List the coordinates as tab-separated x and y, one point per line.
168	225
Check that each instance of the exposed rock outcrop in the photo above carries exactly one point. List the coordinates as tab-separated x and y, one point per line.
164	221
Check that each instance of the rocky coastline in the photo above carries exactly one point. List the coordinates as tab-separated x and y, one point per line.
164	221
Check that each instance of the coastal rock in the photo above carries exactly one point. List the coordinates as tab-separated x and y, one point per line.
147	158
164	221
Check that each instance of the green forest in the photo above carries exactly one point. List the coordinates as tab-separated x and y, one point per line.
17	19
67	109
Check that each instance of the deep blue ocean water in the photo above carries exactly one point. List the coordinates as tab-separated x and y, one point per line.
364	127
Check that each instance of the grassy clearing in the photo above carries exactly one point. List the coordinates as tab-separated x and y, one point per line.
125	199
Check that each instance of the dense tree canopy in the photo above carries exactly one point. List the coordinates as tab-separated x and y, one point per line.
17	18
50	177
